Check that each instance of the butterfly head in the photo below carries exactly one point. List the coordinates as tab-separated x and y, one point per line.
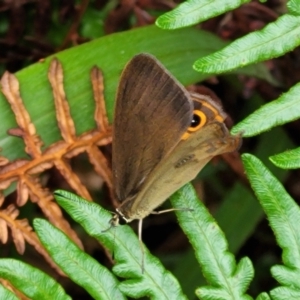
117	219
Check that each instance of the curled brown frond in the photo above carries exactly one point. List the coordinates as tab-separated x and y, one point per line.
26	172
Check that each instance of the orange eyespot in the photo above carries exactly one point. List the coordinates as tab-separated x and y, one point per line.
198	121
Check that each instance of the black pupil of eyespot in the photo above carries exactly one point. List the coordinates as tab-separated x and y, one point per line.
195	121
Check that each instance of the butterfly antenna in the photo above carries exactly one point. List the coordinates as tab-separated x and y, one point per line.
113	222
108	228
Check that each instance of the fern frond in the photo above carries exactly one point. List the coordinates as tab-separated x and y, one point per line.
155	282
284	217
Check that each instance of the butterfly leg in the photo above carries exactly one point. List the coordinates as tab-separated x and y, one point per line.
141	225
170	209
141	243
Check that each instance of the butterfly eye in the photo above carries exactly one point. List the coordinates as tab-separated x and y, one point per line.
199	119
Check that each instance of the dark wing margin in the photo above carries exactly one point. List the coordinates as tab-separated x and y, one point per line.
152	111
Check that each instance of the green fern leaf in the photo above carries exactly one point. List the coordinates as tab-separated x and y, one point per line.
287	160
274	40
224	276
263	296
284	217
194	11
293	7
32	282
155	282
79	266
278	112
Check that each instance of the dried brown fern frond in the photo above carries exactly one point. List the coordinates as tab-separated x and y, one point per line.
11	288
26	172
21	232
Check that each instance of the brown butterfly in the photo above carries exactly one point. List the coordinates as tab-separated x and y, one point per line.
162	137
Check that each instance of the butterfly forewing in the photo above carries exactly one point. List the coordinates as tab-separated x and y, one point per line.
151	114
